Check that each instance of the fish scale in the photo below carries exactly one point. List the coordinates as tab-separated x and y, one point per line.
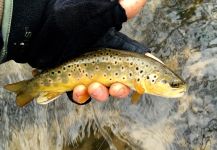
142	73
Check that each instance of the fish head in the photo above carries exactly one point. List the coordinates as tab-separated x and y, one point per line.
164	83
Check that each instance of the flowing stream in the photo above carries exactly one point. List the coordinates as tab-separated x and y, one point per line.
183	33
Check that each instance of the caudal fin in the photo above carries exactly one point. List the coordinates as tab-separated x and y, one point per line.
20	88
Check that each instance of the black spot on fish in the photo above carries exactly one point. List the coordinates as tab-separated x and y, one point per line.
138	80
69	74
116	73
148	77
146	65
77	65
110	79
52	73
131	63
123	78
152	80
59	71
68	66
116	62
85	64
64	68
105	75
122	67
130	74
86	75
128	59
137	68
141	71
109	67
155	76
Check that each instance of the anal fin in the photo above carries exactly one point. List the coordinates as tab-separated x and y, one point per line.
47	97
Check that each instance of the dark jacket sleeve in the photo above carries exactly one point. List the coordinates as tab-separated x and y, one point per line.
70	27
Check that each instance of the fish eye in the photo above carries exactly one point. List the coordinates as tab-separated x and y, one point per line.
174	84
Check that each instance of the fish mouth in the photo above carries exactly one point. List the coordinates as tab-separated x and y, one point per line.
180	94
172	94
177	93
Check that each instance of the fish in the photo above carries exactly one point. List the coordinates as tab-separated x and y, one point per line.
144	74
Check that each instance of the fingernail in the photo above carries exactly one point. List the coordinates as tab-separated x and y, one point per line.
120	93
96	92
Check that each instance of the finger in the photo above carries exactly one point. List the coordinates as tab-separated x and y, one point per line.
70	96
119	90
98	91
80	94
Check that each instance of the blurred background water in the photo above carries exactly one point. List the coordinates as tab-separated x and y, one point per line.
183	33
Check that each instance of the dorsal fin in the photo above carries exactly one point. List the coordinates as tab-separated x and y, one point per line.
153	57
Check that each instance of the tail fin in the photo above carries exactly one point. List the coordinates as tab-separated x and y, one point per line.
20	88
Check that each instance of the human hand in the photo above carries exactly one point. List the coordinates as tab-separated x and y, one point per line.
132	7
99	92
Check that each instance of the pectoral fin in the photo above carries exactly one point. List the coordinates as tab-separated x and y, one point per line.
135	97
138	87
47	97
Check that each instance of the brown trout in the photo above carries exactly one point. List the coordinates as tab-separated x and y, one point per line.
142	73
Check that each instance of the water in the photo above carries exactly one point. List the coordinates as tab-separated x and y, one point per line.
183	33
